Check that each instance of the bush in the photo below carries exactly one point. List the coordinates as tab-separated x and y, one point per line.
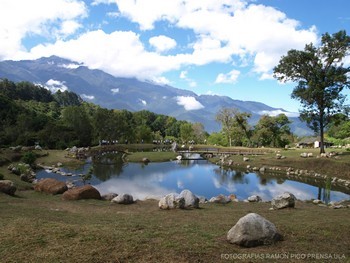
1	176
29	158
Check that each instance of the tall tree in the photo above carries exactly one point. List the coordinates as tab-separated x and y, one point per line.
321	78
272	131
234	123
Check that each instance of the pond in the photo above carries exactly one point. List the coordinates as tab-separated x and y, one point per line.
200	176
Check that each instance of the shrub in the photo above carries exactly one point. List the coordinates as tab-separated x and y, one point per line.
29	158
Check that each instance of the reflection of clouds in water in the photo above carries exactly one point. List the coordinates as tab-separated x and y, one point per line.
270	191
139	189
180	184
229	186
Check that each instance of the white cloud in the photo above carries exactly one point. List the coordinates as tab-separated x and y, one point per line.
87	97
162	43
230	77
238	32
183	75
70	66
55	85
19	19
98	2
114	91
143	102
69	27
274	113
256	33
189	103
161	80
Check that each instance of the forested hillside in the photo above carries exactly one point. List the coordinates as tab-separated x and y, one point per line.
30	114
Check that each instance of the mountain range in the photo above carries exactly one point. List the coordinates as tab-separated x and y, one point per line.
132	94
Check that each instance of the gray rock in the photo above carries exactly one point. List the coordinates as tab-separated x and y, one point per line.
220	199
190	199
171	201
109	196
254	198
253	230
7	187
317	201
283	201
124	199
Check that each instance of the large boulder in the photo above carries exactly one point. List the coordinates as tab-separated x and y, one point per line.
82	192
171	201
253	230
51	186
283	201
190	199
7	187
125	199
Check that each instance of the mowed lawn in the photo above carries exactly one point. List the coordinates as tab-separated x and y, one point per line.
36	227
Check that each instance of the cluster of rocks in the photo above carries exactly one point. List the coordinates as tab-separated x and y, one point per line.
57	170
54	187
186	199
19	148
332	205
76	152
24	171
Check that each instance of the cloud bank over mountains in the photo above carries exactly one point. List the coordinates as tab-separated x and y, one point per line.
238	32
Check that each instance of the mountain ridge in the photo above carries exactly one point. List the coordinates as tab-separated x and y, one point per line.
112	92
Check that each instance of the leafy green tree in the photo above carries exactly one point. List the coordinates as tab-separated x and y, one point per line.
321	78
217	138
272	131
76	118
67	98
199	133
234	125
186	132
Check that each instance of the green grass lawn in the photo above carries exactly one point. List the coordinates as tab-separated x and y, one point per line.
37	227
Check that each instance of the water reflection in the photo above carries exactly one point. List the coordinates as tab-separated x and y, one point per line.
202	178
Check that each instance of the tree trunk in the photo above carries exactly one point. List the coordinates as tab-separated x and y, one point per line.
321	134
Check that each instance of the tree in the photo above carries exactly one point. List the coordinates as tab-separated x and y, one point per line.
272	131
234	123
186	132
321	78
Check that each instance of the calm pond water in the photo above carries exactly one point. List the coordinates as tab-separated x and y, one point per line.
200	177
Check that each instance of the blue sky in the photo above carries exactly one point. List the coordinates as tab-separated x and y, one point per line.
224	47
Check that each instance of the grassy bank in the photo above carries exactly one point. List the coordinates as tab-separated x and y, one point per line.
42	228
338	166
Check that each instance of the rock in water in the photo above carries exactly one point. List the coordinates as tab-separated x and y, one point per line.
253	230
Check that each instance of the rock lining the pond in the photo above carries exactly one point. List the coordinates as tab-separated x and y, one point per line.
81	192
254	198
284	200
191	201
253	230
171	201
50	186
124	199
